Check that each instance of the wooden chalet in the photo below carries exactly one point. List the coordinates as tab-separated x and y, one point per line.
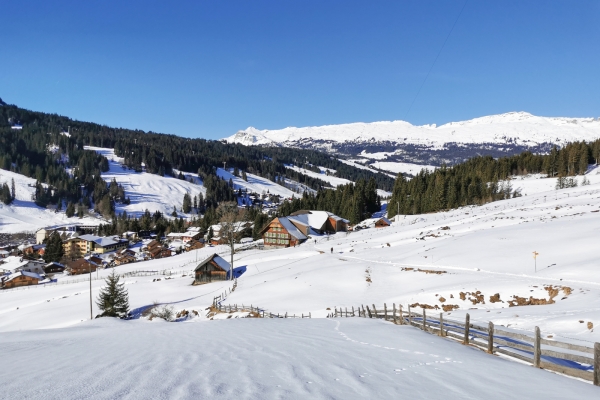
281	232
54	268
213	268
125	256
81	266
382	223
195	245
21	278
159	252
319	222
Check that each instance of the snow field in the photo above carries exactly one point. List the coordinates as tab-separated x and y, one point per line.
23	215
147	191
258	359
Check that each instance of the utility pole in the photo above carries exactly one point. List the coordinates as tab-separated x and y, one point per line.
90	265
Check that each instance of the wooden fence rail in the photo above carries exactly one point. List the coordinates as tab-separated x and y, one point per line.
566	358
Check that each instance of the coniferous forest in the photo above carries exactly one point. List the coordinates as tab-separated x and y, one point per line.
49	145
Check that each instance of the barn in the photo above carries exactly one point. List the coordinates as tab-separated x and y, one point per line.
213	268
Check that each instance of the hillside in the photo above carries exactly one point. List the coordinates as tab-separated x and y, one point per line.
453	142
487	249
23	215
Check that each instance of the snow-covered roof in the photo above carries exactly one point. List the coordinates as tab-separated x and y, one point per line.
291	229
218	260
24	273
314	219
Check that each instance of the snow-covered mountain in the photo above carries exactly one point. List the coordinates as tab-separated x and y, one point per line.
452	142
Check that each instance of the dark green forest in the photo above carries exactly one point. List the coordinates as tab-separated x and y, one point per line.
477	181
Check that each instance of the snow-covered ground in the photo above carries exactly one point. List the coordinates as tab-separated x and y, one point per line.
263	359
256	184
515	127
402	167
478	251
147	191
333	180
23	215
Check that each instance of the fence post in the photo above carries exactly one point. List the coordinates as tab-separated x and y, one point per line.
491	337
346	308
309	315
442	324
467	325
424	321
375	311
369	311
364	312
394	313
353	312
409	316
596	364
536	348
401	317
385	312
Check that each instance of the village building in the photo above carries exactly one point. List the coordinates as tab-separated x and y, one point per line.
81	266
21	278
101	245
125	256
281	232
319	222
25	265
214	268
379	222
54	268
195	244
382	223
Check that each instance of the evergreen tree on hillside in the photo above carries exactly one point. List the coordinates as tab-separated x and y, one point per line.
113	299
13	193
54	248
187	203
5	195
70	211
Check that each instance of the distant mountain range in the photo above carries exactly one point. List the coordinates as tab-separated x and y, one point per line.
494	135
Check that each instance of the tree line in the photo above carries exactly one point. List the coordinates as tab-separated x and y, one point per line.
481	180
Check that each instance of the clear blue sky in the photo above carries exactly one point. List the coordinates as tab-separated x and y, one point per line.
210	68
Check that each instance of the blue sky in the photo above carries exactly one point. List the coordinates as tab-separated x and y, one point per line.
208	69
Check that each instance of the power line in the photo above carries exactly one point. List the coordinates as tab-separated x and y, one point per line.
436	58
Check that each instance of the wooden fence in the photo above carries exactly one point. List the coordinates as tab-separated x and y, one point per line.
569	359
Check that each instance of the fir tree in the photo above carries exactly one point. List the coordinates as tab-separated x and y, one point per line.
70	211
54	248
187	203
113	299
12	189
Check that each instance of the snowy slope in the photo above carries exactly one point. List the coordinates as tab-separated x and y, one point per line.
487	249
516	127
263	359
256	184
402	167
23	215
148	191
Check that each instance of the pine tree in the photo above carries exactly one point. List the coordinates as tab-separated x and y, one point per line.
70	211
54	248
187	203
113	299
12	189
